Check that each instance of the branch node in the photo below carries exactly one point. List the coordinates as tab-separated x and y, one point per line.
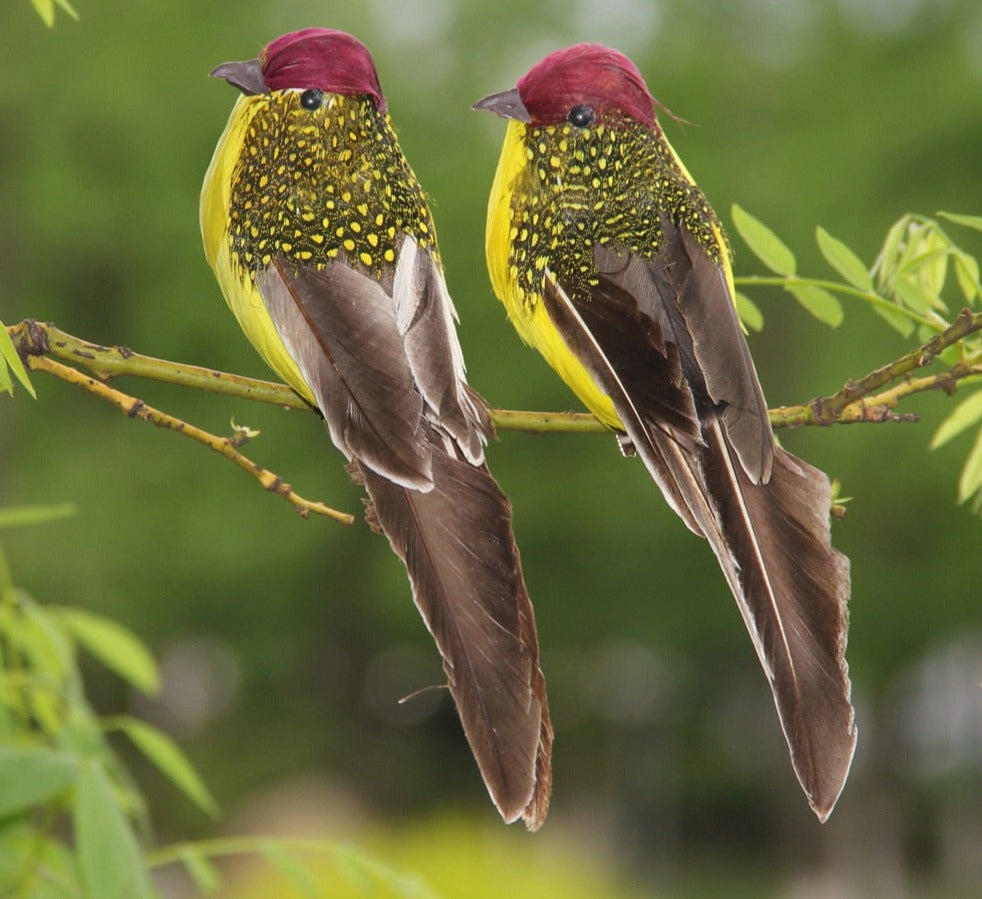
822	412
35	340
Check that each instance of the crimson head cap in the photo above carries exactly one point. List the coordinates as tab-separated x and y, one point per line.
314	58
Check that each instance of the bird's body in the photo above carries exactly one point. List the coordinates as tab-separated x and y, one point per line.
559	191
320	237
611	262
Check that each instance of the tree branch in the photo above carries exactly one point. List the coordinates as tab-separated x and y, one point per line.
224	446
34	338
857	401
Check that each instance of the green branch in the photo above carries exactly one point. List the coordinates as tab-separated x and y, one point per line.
36	343
858	400
867	400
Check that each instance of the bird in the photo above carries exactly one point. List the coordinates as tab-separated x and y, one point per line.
322	242
611	262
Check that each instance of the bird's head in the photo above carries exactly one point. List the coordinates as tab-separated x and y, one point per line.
315	59
583	85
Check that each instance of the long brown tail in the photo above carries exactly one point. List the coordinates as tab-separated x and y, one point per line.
772	542
456	542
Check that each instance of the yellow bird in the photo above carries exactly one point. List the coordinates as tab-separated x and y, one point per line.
320	237
612	264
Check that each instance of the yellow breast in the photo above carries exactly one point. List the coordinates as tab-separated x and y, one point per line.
240	292
527	312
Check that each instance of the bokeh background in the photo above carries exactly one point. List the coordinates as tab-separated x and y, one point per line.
286	643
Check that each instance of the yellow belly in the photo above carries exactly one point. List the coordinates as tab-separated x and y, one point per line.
530	319
239	289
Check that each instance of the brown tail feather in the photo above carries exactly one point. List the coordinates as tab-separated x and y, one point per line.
456	542
792	587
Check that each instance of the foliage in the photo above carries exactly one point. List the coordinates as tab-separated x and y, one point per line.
73	824
10	364
906	285
46	10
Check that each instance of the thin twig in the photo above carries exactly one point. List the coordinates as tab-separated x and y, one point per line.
34	338
135	408
856	402
869	296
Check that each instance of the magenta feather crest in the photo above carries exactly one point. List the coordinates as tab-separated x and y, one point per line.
324	59
589	74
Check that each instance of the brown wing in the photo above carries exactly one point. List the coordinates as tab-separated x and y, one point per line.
387	373
661	338
425	318
339	327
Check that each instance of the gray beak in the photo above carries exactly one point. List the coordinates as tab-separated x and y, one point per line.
507	104
247	76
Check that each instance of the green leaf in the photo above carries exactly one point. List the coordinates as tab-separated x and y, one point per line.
41	866
900	323
39	640
966	414
170	759
365	872
46	10
763	243
32	775
889	257
748	311
200	869
970	481
116	647
915	297
843	260
109	858
8	354
922	262
20	516
967	273
930	266
819	302
67	7
290	868
969	221
353	866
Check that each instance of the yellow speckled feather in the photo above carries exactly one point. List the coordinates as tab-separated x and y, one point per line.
239	290
611	262
322	242
532	322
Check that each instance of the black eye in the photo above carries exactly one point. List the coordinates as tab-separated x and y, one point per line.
312	99
580	116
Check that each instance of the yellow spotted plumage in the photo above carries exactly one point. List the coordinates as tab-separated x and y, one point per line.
559	190
320	237
611	262
308	186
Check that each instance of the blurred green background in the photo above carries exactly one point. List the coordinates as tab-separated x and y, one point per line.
286	643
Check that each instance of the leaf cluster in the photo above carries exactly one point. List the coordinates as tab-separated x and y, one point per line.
918	282
58	771
73	823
